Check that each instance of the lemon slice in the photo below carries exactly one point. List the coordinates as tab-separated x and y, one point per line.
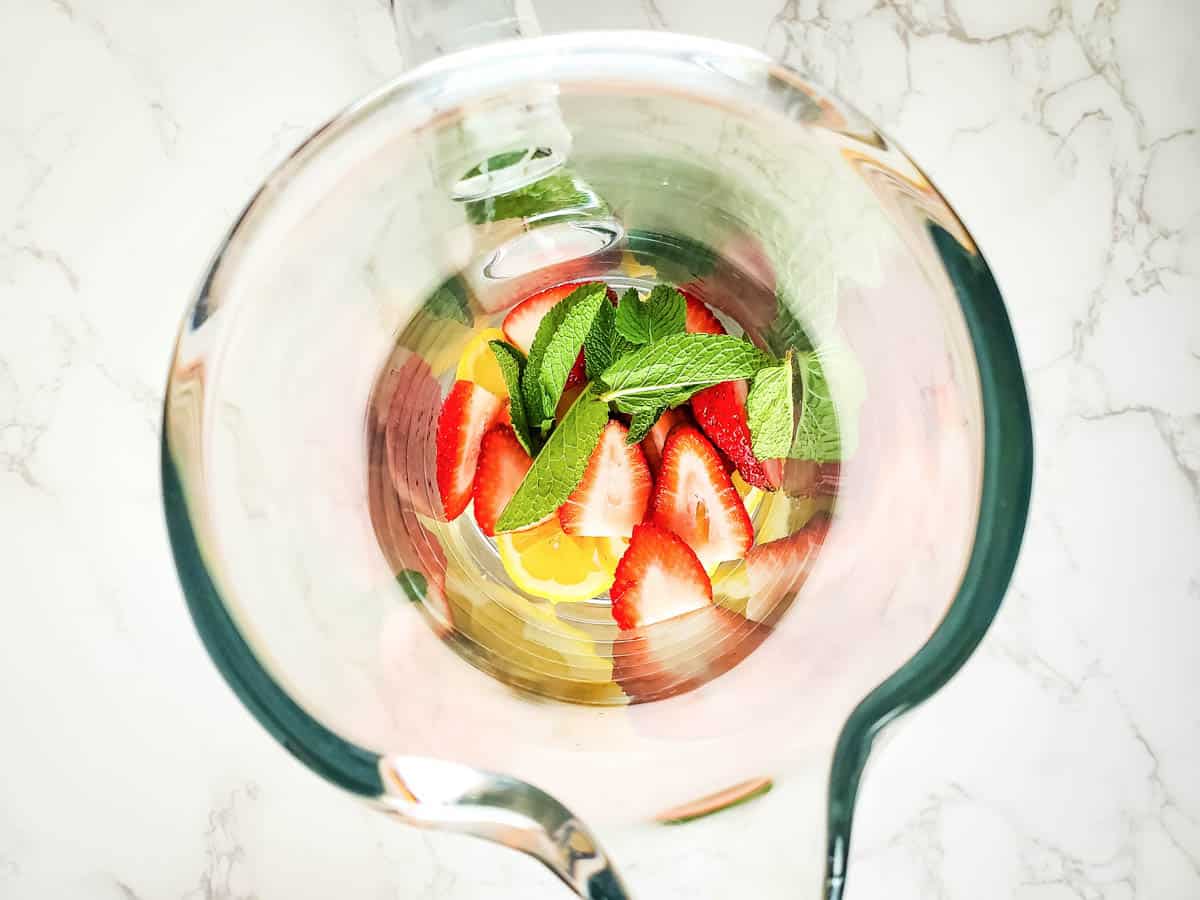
547	562
751	496
478	363
634	269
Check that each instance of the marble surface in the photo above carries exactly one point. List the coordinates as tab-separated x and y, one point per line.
1063	762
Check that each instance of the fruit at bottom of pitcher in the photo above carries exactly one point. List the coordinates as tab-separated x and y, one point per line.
503	462
695	499
611	499
547	562
721	412
467	413
658	578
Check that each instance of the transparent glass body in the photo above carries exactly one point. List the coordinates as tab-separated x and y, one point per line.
298	441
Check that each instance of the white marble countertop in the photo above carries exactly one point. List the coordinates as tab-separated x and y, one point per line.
1063	762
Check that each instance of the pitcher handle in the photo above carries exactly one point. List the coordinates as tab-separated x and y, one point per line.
426	29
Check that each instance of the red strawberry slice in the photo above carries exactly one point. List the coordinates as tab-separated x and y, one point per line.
695	499
578	373
468	412
778	569
521	324
700	319
658	578
681	654
414	398
612	497
652	443
721	412
503	463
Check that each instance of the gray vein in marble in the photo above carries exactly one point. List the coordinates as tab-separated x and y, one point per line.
654	15
1171	430
224	855
48	256
153	93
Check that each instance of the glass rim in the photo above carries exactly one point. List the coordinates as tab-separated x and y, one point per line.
1006	484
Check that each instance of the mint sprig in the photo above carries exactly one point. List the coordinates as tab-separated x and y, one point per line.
663	313
451	301
604	345
817	434
674	368
556	345
559	468
769	411
512	367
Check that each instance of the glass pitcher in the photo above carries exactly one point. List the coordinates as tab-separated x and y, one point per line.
386	648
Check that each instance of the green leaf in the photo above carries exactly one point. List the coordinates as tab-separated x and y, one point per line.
785	331
450	301
769	410
817	436
630	321
668	311
663	313
559	468
641	423
414	584
555	348
670	370
557	191
604	345
512	366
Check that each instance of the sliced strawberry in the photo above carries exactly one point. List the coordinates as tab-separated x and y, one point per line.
578	374
695	499
681	654
778	568
721	412
615	489
411	433
658	578
503	463
467	413
652	443
700	319
829	478
521	324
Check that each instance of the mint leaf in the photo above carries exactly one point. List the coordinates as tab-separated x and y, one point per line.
604	345
629	322
512	365
817	436
670	370
559	468
825	432
555	348
641	423
668	311
769	410
450	301
557	191
663	313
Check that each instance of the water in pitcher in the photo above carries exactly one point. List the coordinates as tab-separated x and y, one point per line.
536	606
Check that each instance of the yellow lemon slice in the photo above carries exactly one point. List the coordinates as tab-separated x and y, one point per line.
547	562
634	269
751	496
478	363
